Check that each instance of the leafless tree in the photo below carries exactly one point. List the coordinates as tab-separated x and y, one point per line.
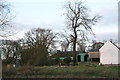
39	36
5	19
39	41
65	43
11	50
79	21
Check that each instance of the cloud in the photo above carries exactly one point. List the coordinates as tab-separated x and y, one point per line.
105	36
110	16
106	28
36	0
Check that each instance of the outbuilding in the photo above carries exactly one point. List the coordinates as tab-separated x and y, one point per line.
82	57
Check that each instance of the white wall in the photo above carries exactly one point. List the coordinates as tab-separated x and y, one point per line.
109	54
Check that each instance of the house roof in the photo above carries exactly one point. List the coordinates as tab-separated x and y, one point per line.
115	45
94	50
96	46
98	43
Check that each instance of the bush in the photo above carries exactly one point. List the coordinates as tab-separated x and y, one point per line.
50	62
57	61
8	61
67	60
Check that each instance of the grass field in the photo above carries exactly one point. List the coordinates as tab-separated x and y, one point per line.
82	70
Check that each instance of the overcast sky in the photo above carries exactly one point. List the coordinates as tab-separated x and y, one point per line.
49	14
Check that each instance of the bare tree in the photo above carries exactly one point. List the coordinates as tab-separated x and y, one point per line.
65	43
78	21
5	19
38	43
40	36
11	50
81	45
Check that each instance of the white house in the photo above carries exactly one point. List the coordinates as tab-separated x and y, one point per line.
109	53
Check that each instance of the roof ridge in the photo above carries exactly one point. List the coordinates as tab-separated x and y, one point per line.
115	45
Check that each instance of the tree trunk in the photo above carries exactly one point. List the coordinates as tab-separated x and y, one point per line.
74	47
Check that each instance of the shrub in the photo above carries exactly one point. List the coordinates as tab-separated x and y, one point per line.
67	60
57	61
8	61
50	61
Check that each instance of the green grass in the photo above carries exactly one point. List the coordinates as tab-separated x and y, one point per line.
82	70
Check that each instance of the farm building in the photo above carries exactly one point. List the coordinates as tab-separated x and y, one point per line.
109	53
81	56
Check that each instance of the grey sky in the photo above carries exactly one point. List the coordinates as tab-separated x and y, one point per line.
49	14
